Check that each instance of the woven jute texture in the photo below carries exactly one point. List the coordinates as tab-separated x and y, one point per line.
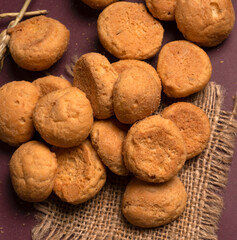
204	178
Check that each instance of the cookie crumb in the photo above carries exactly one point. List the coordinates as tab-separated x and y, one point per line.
221	61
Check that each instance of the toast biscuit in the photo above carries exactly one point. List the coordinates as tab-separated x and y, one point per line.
154	150
80	175
128	31
193	124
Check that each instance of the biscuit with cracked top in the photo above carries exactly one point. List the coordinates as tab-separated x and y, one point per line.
95	76
128	31
50	83
80	175
64	118
17	102
37	43
184	68
193	124
33	169
149	205
107	137
154	149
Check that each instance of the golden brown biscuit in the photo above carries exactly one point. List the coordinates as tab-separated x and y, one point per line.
128	31
80	175
107	138
162	9
184	68
193	124
135	96
64	118
122	65
154	150
98	4
206	23
17	102
152	205
95	76
33	169
37	43
50	83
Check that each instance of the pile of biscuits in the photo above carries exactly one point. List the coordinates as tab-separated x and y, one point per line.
106	119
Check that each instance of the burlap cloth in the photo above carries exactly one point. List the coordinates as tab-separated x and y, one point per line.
204	178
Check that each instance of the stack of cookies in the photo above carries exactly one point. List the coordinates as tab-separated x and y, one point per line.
108	117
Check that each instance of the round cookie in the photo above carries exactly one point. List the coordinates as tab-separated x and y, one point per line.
149	205
64	118
107	138
193	124
37	43
122	65
98	4
206	23
17	102
95	76
136	95
49	84
162	9
184	68
154	150
80	175
33	169
128	31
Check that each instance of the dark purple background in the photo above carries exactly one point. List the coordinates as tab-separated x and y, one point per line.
16	216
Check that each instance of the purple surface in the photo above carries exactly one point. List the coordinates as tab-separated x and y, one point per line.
16	216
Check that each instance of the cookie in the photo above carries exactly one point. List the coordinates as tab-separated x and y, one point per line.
184	68
154	149
17	102
162	9
98	4
107	138
64	118
207	23
122	65
136	95
37	43
33	169
95	76
149	205
193	124
50	83
128	31
80	175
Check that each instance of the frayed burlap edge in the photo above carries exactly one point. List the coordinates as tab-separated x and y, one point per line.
59	220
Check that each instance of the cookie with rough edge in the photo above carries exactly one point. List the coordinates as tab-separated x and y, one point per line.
95	76
64	118
154	149
107	138
162	9
17	103
50	83
184	68
80	174
193	124
37	43
128	31
136	95
149	205
33	169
